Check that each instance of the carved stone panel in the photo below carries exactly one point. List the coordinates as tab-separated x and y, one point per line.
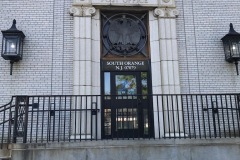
124	35
153	3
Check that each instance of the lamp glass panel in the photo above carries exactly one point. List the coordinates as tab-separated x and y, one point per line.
227	50
235	50
11	45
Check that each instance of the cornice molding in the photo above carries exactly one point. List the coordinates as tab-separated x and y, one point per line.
167	3
166	12
82	2
142	3
80	11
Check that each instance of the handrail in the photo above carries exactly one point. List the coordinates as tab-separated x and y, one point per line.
51	118
7	108
7	103
73	95
5	114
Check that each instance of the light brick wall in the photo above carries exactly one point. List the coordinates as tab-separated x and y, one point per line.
200	26
46	67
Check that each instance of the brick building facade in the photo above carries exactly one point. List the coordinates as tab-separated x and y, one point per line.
65	53
47	65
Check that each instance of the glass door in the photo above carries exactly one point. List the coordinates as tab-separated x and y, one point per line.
127	105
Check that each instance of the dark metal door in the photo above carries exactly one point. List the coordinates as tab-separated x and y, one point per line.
127	105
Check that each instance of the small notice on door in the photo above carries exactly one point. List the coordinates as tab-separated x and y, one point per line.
126	65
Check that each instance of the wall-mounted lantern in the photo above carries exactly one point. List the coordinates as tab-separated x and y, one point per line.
12	44
231	44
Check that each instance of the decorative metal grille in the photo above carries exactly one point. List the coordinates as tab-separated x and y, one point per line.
21	114
124	34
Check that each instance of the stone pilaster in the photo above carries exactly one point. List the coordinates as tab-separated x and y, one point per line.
82	67
165	58
168	49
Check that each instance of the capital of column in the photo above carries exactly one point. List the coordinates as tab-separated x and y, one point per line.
80	11
166	12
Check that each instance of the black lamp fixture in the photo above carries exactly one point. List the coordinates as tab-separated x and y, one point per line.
231	44
12	44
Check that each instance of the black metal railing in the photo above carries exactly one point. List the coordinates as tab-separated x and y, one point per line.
6	119
40	119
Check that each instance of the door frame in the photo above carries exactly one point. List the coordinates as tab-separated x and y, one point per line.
148	104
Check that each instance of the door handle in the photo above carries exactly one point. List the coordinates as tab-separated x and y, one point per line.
139	100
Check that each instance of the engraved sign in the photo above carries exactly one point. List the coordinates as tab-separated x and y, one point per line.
153	3
125	65
127	1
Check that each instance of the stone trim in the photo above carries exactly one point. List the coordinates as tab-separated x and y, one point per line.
167	3
166	12
79	11
142	3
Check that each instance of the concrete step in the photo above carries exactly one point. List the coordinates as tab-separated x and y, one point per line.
5	158
5	153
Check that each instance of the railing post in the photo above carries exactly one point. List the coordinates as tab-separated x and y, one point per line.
214	120
15	120
238	101
20	118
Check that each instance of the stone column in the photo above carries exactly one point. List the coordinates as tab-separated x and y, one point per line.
169	109
168	50
82	56
82	70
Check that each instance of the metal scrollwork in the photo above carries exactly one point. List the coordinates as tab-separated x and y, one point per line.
124	35
20	118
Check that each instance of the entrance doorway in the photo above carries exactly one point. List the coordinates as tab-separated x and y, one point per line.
127	106
126	80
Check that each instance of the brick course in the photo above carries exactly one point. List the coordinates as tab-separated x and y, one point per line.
46	67
200	26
